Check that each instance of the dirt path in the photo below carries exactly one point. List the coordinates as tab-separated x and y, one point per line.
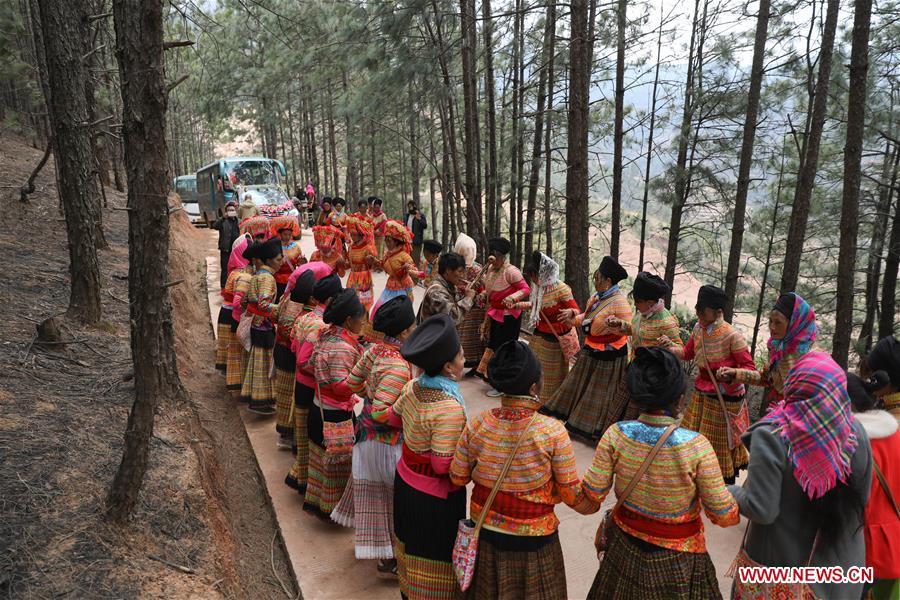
322	553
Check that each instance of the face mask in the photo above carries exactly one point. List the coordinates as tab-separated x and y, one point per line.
231	213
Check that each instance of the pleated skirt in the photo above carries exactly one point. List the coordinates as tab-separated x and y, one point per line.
425	531
636	570
593	395
326	478
704	415
554	365
257	388
367	504
224	335
283	388
299	474
234	362
513	569
470	335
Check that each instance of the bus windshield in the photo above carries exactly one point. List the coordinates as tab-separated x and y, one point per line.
186	185
252	172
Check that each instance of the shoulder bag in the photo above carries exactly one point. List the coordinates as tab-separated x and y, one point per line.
601	539
735	423
465	550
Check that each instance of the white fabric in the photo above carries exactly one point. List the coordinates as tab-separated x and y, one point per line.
374	461
879	424
548	274
467	248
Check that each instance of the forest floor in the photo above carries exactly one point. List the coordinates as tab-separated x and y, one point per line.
204	526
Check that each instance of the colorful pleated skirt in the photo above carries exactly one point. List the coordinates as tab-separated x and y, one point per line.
470	335
517	567
367	504
361	281
283	387
636	570
554	365
224	335
327	478
303	402
593	396
703	414
234	361
257	388
425	532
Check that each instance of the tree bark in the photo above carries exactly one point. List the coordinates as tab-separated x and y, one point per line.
415	174
743	181
548	149
807	176
876	246
577	227
139	47
491	177
470	115
618	135
681	174
646	197
335	180
68	110
856	119
891	264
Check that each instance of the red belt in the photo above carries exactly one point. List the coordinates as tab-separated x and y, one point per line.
418	463
510	505
253	309
660	529
228	296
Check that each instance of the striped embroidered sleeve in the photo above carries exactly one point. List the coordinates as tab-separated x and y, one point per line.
395	374
718	503
672	330
447	423
360	371
265	294
750	377
689	350
565	470
461	467
741	352
598	480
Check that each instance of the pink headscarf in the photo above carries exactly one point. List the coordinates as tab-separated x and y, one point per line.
237	260
319	269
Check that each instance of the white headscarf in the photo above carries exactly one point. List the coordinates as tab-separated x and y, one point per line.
548	274
467	248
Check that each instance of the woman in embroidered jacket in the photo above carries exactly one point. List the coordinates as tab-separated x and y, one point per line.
368	501
362	256
257	387
519	554
470	327
397	263
808	482
792	333
885	356
236	287
717	344
652	319
592	396
333	358
291	307
549	297
379	219
427	506
286	229
656	548
504	286
330	248
882	527
304	336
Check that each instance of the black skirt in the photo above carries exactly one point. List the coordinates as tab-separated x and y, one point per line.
284	358
303	396
427	524
262	338
226	318
504	332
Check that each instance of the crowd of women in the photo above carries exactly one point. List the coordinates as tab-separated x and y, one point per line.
367	394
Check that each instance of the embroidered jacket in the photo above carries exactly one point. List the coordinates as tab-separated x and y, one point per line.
722	346
304	336
293	258
542	474
260	298
285	316
332	359
235	289
398	264
380	376
598	335
500	284
644	331
556	299
892	405
686	469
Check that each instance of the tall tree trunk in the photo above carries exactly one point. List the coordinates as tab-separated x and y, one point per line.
577	243
68	110
139	43
876	246
889	286
618	135
293	145
520	143
548	135
646	197
770	244
743	181
470	113
681	174
491	177
856	119
415	175
335	180
806	178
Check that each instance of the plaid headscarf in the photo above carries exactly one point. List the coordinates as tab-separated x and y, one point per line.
801	333
816	423
547	275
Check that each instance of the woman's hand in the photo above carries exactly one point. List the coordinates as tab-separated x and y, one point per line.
726	374
665	341
566	315
613	322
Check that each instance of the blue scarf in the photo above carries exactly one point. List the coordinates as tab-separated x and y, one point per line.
444	384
